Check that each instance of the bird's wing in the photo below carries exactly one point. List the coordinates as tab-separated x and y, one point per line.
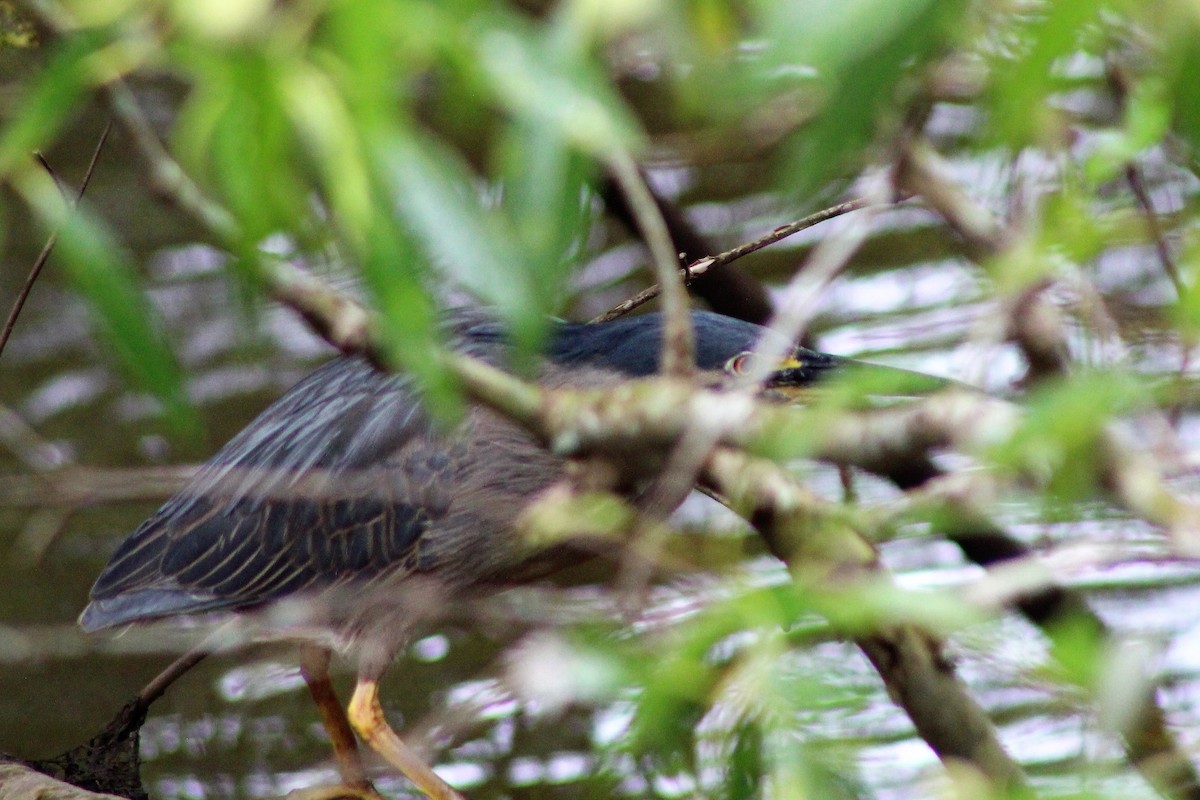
340	477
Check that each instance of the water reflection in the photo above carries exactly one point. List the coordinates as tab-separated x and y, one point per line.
242	726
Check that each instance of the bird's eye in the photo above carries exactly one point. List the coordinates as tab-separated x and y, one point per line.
740	364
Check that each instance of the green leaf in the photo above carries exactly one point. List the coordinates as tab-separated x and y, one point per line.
236	135
44	107
546	199
1077	644
1062	428
471	244
682	675
744	779
1185	88
1185	314
108	282
407	316
1020	113
548	83
322	120
851	89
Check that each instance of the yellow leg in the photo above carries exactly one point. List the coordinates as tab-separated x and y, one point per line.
366	715
314	666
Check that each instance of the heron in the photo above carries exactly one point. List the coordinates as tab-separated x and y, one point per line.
344	515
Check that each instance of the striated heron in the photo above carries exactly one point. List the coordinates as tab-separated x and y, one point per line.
342	516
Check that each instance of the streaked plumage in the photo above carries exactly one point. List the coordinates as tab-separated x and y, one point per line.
345	478
345	495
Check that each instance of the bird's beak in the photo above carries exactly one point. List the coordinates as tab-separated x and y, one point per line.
806	375
803	370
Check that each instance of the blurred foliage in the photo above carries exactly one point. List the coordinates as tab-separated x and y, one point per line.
443	148
16	30
1060	436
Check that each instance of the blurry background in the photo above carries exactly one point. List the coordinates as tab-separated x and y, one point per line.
420	153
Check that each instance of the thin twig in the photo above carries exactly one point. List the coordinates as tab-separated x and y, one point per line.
820	548
687	275
167	178
800	296
784	231
702	265
58	182
1134	177
677	477
678	345
1120	80
40	262
155	688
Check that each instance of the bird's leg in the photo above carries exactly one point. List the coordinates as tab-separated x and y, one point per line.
314	666
366	715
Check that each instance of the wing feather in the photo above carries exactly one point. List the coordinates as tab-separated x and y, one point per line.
306	495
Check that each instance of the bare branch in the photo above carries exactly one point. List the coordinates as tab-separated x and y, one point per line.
82	486
800	296
1133	176
687	275
817	545
167	178
44	255
702	265
678	345
924	173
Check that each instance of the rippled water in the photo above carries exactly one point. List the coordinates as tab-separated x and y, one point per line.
243	726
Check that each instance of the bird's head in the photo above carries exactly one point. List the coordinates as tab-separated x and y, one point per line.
725	349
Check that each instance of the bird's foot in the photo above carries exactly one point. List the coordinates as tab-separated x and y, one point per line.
335	791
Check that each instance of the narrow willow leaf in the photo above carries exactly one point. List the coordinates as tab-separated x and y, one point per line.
324	123
407	315
470	243
545	198
126	320
536	80
437	199
1186	89
237	138
746	767
854	88
1020	112
42	110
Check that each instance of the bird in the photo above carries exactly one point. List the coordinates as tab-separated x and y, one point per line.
345	515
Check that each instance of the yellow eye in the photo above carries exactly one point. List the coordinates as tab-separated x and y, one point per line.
740	364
